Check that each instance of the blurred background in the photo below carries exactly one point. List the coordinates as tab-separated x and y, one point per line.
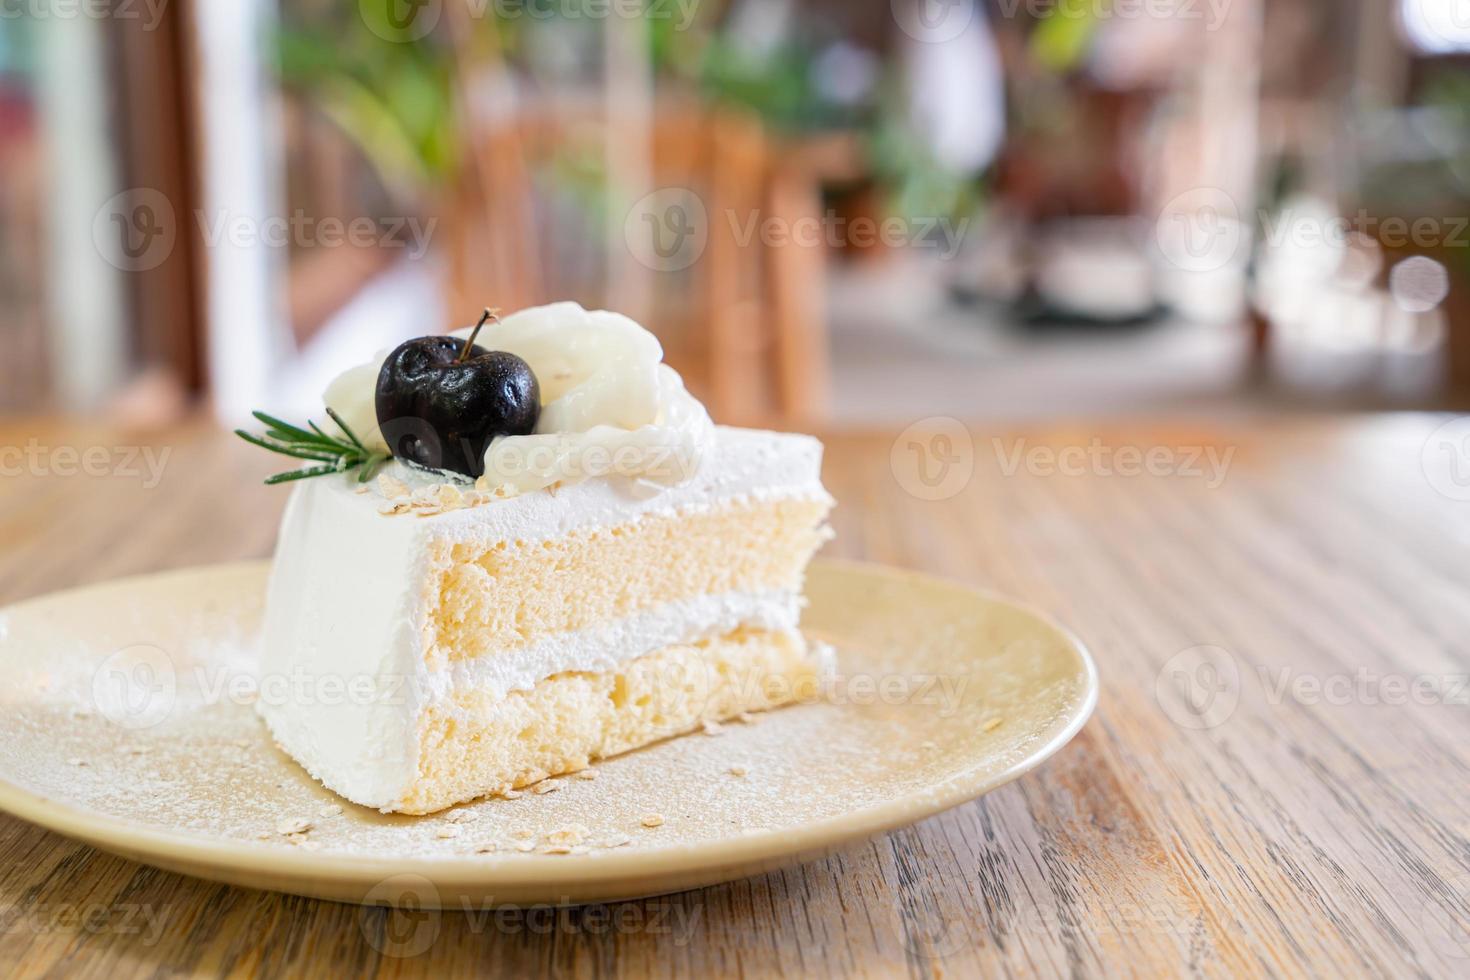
832	212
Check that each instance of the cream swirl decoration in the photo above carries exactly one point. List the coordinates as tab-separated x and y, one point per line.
609	405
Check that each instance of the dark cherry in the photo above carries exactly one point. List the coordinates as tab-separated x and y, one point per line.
441	400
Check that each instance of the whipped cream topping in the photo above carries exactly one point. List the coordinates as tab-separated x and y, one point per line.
609	405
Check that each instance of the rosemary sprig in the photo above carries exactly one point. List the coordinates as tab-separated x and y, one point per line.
333	455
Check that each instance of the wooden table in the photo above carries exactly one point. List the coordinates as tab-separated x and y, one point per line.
1306	811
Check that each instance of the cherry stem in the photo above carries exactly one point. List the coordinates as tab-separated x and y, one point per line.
487	316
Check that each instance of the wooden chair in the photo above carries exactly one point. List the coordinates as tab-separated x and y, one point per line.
744	322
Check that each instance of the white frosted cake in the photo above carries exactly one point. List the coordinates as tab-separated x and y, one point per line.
442	638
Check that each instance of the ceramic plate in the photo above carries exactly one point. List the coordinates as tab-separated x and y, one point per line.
128	723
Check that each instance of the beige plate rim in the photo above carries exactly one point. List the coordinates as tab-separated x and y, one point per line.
233	860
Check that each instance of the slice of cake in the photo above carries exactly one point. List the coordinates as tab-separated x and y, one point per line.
432	638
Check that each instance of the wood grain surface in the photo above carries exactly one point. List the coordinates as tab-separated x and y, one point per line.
1276	783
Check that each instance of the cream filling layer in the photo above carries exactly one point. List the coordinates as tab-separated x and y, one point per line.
609	645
